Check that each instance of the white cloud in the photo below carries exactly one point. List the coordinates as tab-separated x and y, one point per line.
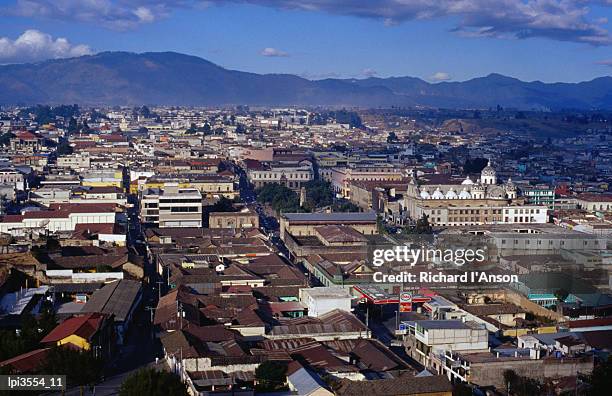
34	45
144	14
440	76
562	20
112	14
273	52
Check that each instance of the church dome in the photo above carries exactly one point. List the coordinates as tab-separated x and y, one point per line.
437	194
464	194
478	187
425	194
488	170
467	181
510	186
451	194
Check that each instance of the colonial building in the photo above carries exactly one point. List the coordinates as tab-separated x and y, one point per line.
447	201
243	219
291	175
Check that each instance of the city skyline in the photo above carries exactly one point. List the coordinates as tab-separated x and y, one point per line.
445	41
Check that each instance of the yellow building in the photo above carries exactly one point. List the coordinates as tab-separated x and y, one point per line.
87	332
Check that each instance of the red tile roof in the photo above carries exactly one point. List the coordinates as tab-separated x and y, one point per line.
26	362
25	135
83	326
573	324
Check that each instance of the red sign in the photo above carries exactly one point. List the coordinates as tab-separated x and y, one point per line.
405	304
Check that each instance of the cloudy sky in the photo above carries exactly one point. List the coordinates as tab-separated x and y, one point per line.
437	40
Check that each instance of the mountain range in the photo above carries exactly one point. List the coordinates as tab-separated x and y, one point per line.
170	78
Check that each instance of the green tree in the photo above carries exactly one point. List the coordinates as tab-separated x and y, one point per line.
5	138
73	126
240	128
153	383
319	194
271	376
391	137
101	268
561	295
280	198
343	205
522	386
80	367
64	148
601	379
223	205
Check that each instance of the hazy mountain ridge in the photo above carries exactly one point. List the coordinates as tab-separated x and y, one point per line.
168	78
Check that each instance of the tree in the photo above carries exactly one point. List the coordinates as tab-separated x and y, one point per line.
318	194
342	205
73	127
5	138
271	376
64	148
192	129
240	128
561	295
80	367
422	225
391	137
151	382
280	198
102	268
223	205
601	379
521	386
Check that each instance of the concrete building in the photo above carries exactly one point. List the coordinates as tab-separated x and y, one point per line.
171	207
12	177
75	161
321	300
425	338
60	217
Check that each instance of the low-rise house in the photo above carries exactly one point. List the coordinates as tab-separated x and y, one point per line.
118	299
89	332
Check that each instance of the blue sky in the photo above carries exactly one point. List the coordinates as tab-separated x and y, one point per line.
545	40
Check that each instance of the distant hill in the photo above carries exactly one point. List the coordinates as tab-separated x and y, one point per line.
169	78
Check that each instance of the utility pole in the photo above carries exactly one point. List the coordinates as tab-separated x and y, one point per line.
367	320
151	309
159	286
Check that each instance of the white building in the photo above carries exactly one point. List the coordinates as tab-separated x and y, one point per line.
59	218
321	300
171	207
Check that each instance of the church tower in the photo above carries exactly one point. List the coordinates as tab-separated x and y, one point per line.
488	176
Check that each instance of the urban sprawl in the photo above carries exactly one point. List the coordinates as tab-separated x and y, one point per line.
231	248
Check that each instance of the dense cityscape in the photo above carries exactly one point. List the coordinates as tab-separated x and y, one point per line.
222	251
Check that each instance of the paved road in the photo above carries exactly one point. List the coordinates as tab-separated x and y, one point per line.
269	224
